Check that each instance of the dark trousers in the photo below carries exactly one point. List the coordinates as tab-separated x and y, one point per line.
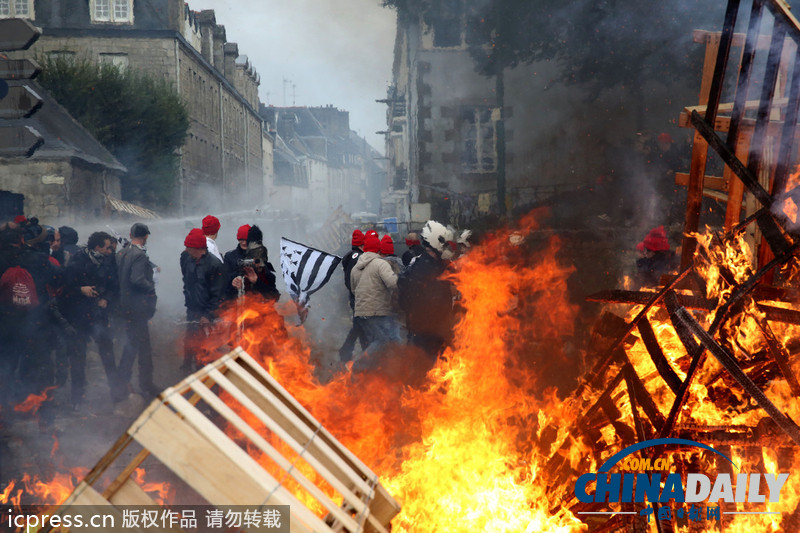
137	344
101	334
356	333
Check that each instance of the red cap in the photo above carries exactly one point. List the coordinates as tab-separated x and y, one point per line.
372	232
20	219
211	225
195	239
412	242
241	233
387	246
358	238
372	243
655	241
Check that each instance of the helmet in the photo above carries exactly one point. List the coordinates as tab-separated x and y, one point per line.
436	235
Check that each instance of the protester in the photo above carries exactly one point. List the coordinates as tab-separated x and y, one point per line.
356	333
211	227
90	283
232	259
25	274
258	277
656	257
69	244
203	290
137	305
415	248
387	253
427	298
373	282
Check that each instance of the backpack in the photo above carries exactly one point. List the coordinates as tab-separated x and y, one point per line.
17	289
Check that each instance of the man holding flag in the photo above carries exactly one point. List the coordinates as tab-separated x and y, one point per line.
305	271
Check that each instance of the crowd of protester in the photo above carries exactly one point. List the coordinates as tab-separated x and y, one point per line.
57	295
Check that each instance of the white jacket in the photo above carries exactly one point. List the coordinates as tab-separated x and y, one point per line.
373	282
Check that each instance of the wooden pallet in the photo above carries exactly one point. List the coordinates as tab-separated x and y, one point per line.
194	448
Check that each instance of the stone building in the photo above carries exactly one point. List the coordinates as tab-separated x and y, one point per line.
320	163
443	120
70	176
224	148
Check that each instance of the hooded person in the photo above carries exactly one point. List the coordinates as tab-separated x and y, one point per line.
211	227
425	296
203	291
258	274
348	262
656	257
374	282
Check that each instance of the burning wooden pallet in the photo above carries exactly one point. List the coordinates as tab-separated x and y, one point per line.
181	429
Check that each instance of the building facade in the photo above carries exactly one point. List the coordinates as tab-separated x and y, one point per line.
223	150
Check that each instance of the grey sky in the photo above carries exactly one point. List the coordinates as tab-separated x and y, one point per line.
335	52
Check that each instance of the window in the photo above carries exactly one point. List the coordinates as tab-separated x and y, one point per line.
112	10
118	60
16	9
479	138
58	56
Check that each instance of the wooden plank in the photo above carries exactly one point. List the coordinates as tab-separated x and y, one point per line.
180	447
290	400
273	414
733	211
716	183
234	419
306	436
274	493
130	493
125	475
694	199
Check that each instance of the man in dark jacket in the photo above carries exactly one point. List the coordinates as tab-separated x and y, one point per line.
90	284
356	332
69	245
232	259
138	305
425	297
203	290
258	275
415	248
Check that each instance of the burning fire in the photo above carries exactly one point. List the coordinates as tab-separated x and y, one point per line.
463	448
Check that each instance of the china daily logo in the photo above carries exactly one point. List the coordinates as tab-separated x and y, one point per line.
639	480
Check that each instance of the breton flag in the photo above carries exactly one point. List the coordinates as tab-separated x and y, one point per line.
305	270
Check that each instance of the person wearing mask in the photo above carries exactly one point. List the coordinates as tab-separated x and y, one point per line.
232	259
203	291
137	305
211	227
258	277
90	284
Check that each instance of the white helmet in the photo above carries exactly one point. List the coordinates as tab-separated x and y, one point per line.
436	235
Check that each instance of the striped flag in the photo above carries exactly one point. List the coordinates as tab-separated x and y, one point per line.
305	270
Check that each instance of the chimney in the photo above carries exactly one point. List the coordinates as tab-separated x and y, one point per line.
206	21
231	53
219	42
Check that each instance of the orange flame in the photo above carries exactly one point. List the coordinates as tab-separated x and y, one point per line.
163	489
459	447
33	402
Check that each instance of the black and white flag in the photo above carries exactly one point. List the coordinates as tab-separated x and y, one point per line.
305	270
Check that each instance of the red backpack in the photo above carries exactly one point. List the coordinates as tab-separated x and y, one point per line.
17	289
